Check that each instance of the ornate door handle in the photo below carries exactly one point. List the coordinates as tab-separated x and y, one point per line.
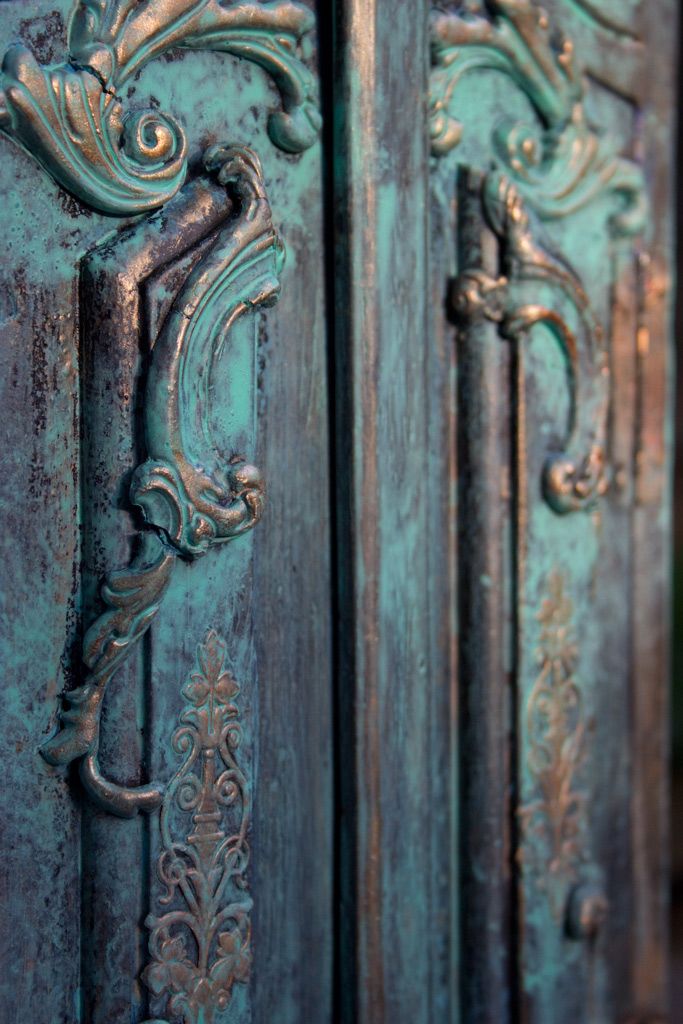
538	288
192	488
71	118
191	498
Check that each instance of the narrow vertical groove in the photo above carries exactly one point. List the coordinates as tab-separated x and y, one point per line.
148	821
641	891
485	453
338	426
350	194
520	493
363	47
652	522
381	427
82	852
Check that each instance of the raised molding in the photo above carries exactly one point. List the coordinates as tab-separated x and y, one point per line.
192	498
72	119
561	162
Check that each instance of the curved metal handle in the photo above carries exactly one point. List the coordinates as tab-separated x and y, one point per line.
191	500
574	477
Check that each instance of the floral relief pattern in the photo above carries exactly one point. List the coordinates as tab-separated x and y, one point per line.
553	824
201	945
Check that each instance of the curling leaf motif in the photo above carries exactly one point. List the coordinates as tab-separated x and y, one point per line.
201	945
191	499
72	119
559	164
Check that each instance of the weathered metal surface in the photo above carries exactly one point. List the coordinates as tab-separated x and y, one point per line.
70	116
392	512
130	274
549	671
191	497
484	496
473	571
201	941
130	281
558	160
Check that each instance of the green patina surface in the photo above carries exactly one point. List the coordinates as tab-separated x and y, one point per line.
342	613
87	966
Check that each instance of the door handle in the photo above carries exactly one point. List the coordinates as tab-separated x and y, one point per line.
575	477
190	498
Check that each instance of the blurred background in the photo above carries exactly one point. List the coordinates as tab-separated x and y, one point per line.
677	652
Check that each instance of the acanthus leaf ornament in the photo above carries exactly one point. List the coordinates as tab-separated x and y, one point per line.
72	119
191	495
574	477
560	164
554	822
200	944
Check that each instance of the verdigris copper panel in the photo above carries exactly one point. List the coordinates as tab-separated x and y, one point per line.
547	661
175	376
400	747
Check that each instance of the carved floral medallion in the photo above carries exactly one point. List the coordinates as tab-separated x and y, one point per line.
200	944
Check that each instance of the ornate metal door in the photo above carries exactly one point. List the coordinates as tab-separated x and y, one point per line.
335	482
551	136
147	372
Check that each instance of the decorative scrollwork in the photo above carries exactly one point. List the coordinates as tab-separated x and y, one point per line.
71	117
194	500
560	164
204	872
575	477
553	824
190	499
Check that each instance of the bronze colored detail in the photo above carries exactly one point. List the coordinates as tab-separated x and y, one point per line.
587	910
573	478
553	824
201	944
192	496
71	117
561	163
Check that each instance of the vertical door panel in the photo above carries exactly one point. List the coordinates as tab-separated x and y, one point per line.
547	118
393	525
235	726
397	752
40	569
